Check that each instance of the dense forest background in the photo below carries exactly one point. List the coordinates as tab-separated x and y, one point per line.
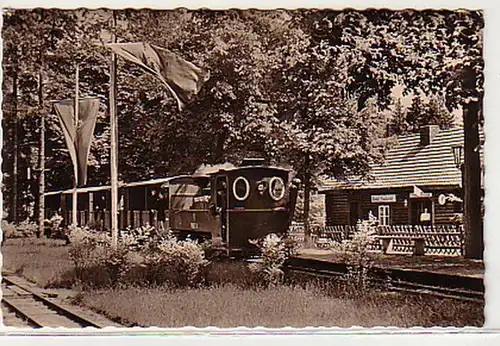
310	89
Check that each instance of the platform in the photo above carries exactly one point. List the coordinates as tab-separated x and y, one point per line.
453	265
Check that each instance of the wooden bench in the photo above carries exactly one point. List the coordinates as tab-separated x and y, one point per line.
387	242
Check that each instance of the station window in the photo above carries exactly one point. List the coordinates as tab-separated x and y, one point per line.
383	215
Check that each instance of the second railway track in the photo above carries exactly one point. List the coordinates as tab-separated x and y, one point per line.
25	306
464	288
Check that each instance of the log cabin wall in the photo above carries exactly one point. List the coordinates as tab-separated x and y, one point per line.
445	213
346	206
337	207
398	212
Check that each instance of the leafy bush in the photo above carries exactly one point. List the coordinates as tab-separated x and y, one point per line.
93	256
116	262
140	238
55	221
82	250
158	259
356	255
9	230
25	229
55	230
28	229
179	263
274	254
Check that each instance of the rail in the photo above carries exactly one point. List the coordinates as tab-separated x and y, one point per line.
458	287
39	311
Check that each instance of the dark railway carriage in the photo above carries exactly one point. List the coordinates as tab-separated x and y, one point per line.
138	204
233	205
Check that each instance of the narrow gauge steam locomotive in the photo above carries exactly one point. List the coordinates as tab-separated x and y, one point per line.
228	205
233	205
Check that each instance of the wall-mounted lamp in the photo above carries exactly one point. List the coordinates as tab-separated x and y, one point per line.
457	158
457	155
405	203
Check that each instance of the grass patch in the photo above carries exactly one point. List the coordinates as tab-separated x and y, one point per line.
43	261
233	299
232	306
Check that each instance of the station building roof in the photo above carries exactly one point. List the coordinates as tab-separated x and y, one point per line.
411	163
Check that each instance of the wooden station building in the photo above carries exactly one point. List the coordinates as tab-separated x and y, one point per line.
418	184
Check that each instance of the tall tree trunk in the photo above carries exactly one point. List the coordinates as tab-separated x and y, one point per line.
473	221
219	146
307	198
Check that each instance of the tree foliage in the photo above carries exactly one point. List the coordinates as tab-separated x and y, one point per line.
306	88
430	112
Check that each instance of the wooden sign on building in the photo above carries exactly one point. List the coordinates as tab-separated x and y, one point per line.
383	198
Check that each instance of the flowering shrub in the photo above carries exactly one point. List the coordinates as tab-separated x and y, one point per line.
82	249
90	249
28	228
140	238
55	229
355	253
274	254
9	230
162	259
181	263
116	262
25	229
54	222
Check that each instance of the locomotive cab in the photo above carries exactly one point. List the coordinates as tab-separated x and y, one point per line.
252	202
232	206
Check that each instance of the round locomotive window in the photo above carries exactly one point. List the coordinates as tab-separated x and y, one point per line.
241	188
276	188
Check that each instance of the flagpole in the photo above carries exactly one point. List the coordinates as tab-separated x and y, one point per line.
75	194
15	130
113	139
41	201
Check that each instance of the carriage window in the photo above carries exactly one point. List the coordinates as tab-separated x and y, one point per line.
241	188
276	188
184	196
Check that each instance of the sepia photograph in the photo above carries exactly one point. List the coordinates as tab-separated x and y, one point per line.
242	168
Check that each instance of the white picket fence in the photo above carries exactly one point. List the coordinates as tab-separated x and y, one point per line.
440	239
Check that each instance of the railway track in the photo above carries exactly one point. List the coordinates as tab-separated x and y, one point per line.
464	288
24	305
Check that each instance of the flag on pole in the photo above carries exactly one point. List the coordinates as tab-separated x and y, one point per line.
417	191
183	78
79	137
